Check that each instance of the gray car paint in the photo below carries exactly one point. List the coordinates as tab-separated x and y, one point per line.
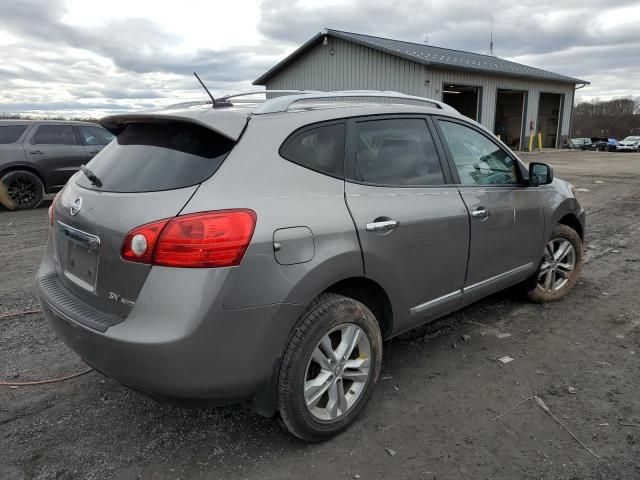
219	333
96	217
54	164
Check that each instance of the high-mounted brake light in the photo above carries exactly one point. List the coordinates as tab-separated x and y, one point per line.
207	239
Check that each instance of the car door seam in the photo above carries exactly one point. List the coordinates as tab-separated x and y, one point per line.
355	227
466	271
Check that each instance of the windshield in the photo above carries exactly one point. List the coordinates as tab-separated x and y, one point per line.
631	139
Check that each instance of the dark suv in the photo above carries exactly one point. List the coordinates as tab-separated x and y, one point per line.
38	157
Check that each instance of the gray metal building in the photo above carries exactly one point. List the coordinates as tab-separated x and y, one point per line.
511	99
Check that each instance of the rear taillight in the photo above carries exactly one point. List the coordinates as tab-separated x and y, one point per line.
52	207
139	243
207	239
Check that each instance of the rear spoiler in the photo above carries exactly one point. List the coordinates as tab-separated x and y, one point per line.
227	123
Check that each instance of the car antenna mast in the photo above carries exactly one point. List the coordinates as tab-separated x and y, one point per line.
213	100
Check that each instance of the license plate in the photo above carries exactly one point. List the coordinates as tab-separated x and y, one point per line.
79	253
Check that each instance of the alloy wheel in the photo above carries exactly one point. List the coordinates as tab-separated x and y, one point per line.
338	372
558	265
22	190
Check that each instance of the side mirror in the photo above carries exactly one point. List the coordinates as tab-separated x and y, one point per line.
540	174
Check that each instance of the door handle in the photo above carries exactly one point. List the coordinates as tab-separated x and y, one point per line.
382	226
36	152
481	213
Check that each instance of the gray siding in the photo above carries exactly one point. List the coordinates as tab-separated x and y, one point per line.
356	67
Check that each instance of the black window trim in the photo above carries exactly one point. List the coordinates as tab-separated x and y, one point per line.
313	126
520	171
37	126
352	146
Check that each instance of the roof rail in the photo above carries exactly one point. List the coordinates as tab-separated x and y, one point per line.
224	100
282	103
194	103
257	92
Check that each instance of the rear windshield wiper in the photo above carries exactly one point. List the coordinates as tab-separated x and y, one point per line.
93	178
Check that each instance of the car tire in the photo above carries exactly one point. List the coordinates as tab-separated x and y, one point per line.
21	190
311	376
559	268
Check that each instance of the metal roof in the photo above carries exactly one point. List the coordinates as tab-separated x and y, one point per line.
427	55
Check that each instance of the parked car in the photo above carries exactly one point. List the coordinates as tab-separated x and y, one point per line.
603	144
629	144
262	253
581	143
38	157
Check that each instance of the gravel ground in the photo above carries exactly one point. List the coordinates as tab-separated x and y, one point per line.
433	407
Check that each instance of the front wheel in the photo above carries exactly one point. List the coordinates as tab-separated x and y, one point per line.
560	267
329	368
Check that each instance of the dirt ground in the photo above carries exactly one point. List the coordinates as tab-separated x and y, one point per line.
433	407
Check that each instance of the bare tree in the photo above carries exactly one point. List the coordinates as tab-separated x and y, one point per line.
615	118
14	116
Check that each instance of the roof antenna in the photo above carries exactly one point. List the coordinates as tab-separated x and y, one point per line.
491	52
213	100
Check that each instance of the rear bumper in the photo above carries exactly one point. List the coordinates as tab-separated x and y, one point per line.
175	343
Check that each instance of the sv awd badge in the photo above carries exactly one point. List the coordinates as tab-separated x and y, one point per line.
116	297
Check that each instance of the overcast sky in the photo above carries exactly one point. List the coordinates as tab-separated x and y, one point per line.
83	57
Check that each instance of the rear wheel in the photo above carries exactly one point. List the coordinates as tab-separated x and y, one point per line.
329	368
20	190
560	267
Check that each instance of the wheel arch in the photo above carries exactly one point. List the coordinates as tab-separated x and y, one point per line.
369	293
357	287
571	221
27	168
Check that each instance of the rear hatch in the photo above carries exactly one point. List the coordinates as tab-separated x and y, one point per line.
148	173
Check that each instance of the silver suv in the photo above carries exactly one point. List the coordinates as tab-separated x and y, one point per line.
261	253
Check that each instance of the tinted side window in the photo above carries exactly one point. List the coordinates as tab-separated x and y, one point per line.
398	152
55	135
320	149
479	161
11	133
95	135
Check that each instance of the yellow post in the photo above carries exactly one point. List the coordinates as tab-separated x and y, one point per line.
540	141
530	142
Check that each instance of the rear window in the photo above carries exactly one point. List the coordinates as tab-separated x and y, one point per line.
95	135
11	133
149	157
